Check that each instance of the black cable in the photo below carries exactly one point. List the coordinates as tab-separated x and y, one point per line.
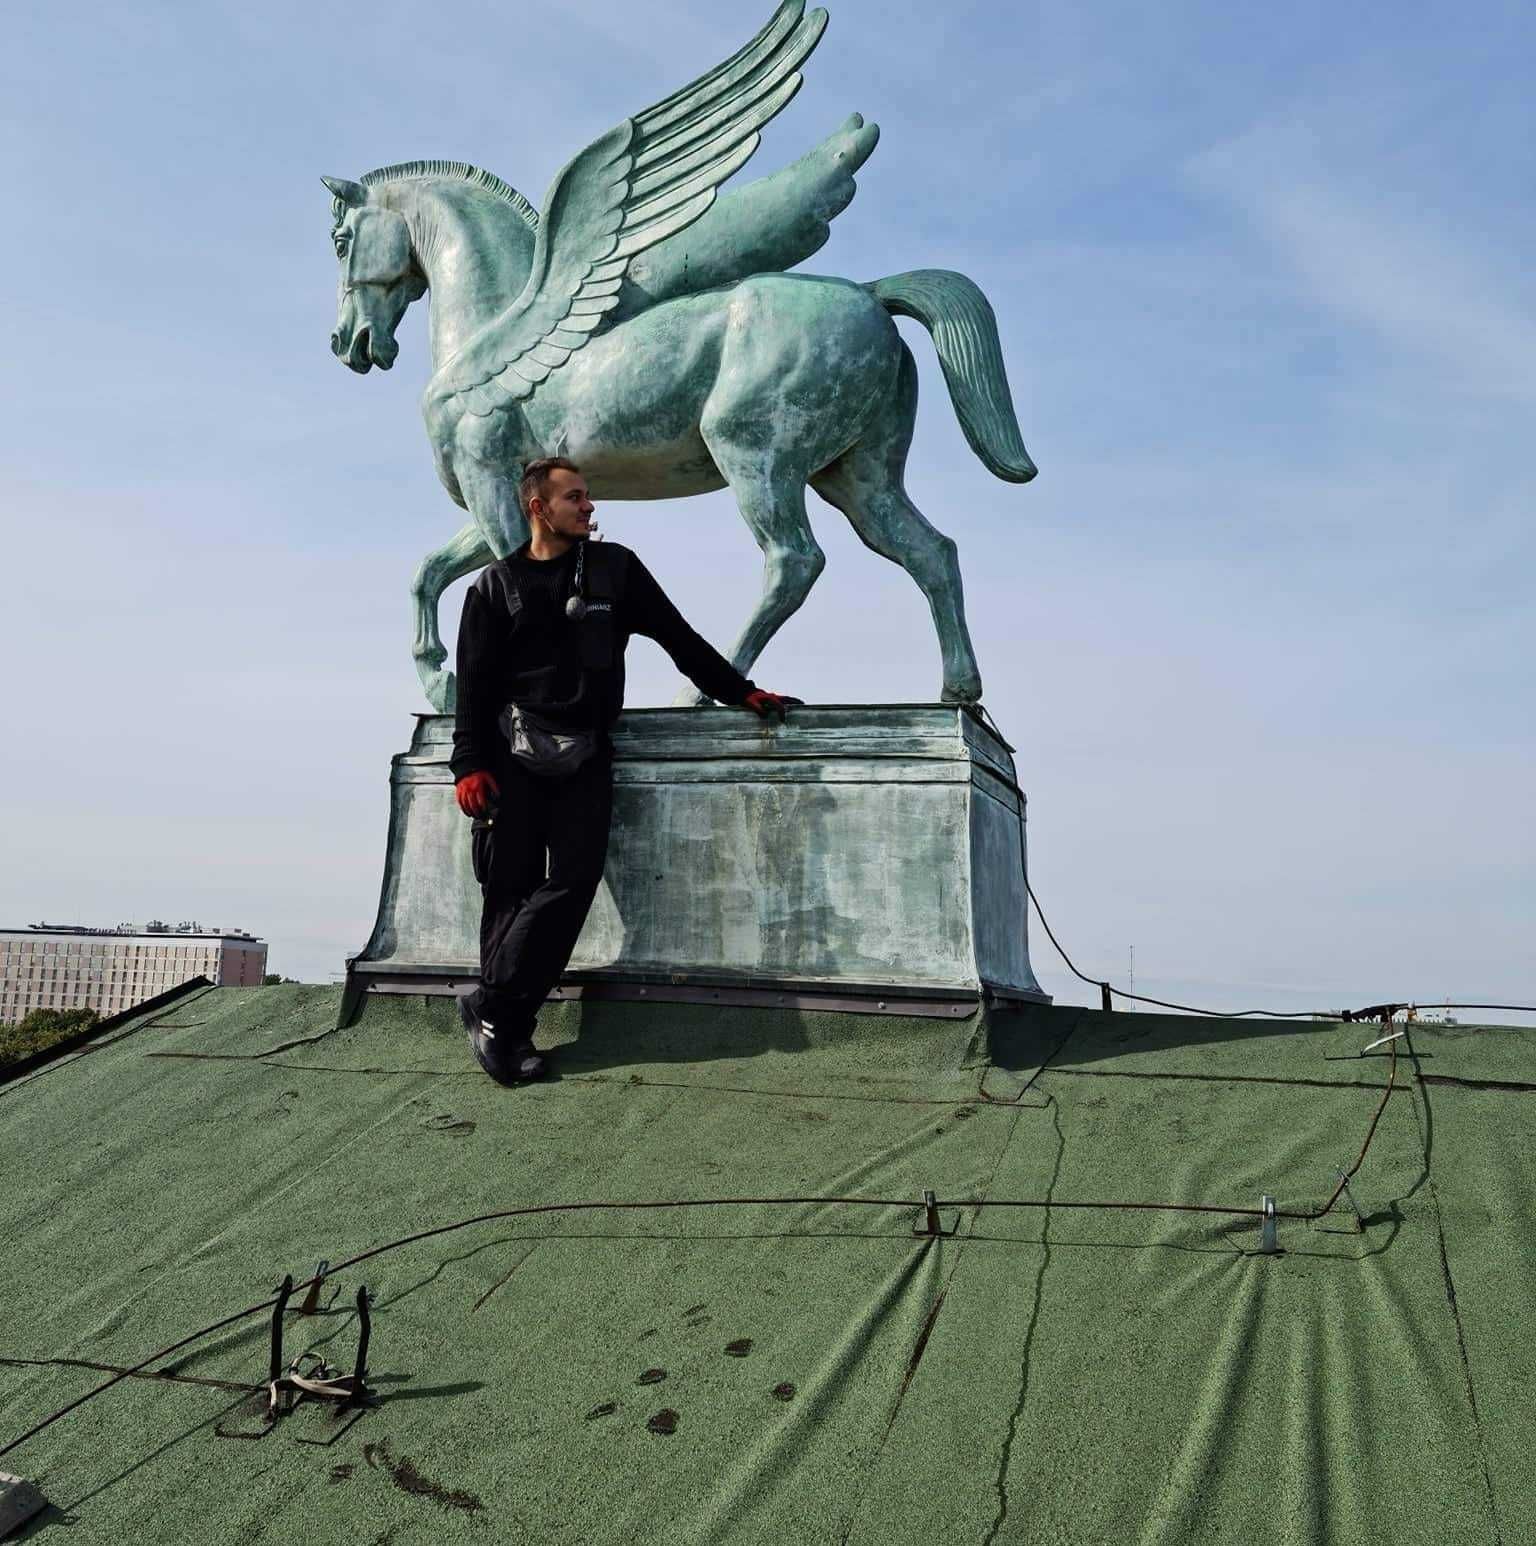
697	1202
1515	1009
567	1207
1242	1014
1385	1012
1162	1003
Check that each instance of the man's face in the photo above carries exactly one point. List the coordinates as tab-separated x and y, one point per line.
567	508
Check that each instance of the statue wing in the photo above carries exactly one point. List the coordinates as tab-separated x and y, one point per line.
636	185
765	227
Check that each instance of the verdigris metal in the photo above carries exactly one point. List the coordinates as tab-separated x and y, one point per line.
646	329
869	846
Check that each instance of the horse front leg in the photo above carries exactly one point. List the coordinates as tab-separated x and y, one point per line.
467	552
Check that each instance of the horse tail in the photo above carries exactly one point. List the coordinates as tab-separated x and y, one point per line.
964	331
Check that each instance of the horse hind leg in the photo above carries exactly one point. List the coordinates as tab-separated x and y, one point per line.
436	572
770	493
866	484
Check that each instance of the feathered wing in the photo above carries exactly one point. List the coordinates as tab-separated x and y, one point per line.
643	181
764	227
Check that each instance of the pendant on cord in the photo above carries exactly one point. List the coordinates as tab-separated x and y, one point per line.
576	606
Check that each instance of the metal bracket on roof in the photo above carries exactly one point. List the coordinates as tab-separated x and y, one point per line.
307	1375
275	1359
1381	1041
1382	1012
286	1388
1269	1235
312	1298
1343	1176
931	1223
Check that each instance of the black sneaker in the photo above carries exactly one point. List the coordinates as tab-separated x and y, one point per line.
520	1061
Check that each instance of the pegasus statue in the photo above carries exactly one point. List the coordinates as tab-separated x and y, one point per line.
648	328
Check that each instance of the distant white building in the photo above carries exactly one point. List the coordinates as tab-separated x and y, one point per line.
58	966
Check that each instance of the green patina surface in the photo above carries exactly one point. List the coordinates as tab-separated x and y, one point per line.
650	331
1068	1377
865	847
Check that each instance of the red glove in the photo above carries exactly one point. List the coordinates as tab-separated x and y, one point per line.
767	704
476	792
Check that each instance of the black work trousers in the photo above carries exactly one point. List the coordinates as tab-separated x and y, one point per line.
538	860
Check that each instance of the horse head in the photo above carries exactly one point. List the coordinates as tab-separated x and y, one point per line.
379	276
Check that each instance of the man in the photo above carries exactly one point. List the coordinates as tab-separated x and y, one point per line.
541	666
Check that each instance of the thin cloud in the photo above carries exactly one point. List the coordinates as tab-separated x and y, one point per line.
1405	275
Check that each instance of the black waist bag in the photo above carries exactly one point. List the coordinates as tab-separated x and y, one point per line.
549	750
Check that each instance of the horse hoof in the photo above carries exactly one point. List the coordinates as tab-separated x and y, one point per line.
440	689
968	691
689	698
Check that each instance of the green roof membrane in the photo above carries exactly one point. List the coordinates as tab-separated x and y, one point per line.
805	1372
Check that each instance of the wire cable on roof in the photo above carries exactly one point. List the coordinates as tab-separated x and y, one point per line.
1371	1012
1108	988
1382	1011
701	1202
534	1209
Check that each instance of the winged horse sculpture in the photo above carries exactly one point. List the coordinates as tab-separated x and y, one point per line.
647	329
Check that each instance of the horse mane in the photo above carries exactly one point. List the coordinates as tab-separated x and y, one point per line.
411	171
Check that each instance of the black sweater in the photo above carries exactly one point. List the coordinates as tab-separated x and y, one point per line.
516	645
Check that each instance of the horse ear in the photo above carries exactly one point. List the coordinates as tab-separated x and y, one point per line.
349	193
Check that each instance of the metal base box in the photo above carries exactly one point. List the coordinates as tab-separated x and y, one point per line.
858	853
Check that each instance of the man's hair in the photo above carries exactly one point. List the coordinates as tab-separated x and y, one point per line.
535	480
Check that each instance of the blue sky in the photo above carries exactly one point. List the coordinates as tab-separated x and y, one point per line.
1261	629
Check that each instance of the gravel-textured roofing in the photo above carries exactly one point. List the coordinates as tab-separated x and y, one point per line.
801	1372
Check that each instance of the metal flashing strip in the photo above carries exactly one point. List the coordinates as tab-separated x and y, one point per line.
840	779
741	993
768	998
932	732
80	1041
811	768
